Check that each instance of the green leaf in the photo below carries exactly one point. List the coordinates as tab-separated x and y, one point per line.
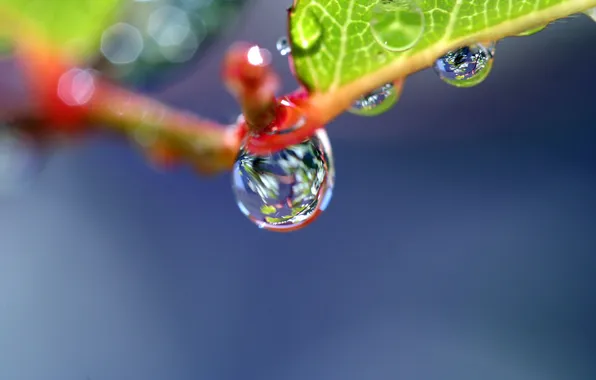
75	25
333	44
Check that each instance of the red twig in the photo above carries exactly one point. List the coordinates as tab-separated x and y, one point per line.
273	123
248	76
70	100
169	135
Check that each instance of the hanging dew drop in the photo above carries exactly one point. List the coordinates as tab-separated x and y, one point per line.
478	78
467	66
307	32
285	190
377	101
283	46
397	25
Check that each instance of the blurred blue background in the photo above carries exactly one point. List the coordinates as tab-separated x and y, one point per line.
460	243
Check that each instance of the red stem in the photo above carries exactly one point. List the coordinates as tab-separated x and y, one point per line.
71	99
248	75
167	133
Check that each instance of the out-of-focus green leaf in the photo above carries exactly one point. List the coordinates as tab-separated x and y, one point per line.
74	25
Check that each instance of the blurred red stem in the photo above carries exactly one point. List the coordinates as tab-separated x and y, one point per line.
207	145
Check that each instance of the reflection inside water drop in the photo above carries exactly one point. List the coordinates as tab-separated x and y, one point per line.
397	25
287	189
466	66
377	101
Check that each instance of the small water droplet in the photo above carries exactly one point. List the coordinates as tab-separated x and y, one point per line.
467	66
288	189
377	101
283	46
307	32
397	25
532	31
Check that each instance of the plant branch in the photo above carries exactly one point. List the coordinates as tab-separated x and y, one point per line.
69	99
248	75
166	133
170	135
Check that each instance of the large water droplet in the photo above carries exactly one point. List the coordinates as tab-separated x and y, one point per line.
532	31
467	66
288	189
397	25
307	31
377	101
283	46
